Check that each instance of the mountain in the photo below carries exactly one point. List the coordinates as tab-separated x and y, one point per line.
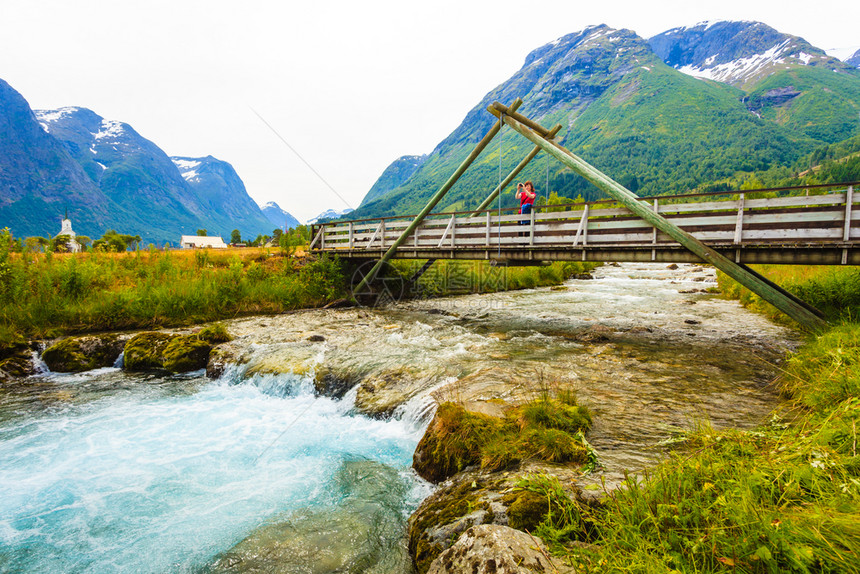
221	193
329	214
108	176
854	60
737	53
786	80
647	124
278	217
38	177
394	176
129	169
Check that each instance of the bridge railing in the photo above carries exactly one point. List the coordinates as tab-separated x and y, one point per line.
823	216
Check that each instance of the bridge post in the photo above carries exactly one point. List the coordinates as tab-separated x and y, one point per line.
435	199
767	291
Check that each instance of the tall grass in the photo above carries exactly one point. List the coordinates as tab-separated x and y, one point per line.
42	295
834	290
781	498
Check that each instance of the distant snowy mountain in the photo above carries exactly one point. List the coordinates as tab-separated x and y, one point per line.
329	214
222	194
735	53
854	60
278	217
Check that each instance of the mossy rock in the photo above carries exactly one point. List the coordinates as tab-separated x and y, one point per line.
452	442
153	351
17	366
542	430
214	334
469	500
185	354
77	354
15	345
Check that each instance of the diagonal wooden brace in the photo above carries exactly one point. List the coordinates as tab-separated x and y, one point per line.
775	296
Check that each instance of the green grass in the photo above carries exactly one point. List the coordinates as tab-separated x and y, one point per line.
784	497
834	290
44	295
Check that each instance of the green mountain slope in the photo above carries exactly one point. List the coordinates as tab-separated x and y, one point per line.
646	124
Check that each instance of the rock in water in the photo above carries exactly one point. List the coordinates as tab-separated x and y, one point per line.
77	354
363	534
165	352
490	548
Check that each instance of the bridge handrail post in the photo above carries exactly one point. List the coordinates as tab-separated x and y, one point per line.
739	224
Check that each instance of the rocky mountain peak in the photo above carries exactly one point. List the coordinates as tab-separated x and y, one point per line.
734	52
854	60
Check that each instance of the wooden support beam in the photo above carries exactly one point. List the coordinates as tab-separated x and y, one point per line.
435	199
846	230
654	233
739	224
375	233
532	227
351	225
317	237
582	230
632	202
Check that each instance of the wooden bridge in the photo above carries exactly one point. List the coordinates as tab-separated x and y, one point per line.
815	225
801	226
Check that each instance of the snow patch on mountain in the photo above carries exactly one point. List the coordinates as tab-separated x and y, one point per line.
109	129
187	168
47	117
329	214
741	68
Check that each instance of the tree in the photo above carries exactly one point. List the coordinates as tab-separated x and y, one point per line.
60	244
201	233
235	237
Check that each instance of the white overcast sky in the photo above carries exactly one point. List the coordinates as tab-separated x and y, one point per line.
350	85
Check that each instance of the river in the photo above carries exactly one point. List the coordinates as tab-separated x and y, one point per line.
107	471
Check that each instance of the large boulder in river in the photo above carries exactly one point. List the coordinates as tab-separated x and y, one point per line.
490	548
76	354
154	351
362	534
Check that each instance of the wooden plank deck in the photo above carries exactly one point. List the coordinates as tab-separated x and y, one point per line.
822	229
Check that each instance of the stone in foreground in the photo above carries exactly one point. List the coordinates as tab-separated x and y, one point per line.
490	548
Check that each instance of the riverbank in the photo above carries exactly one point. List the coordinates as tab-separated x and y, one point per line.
782	497
46	295
304	399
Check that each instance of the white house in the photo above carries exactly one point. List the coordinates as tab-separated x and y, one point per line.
201	241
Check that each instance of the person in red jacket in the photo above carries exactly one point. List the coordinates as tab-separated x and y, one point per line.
526	194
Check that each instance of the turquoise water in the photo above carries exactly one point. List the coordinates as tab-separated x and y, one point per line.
164	476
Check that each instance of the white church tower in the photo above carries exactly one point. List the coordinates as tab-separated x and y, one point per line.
67	230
